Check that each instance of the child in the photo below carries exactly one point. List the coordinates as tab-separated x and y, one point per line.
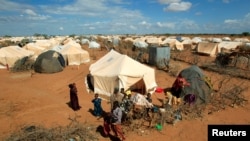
149	99
97	105
116	119
107	124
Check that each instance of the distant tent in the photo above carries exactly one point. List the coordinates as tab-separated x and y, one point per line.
94	44
46	44
244	40
208	48
216	40
195	84
49	62
153	41
9	55
179	38
114	40
84	41
74	55
140	44
173	43
196	40
159	56
35	48
226	39
228	45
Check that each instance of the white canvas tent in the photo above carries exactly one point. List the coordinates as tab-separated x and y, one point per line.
140	44
228	45
94	44
173	44
35	48
116	70
9	55
74	55
208	48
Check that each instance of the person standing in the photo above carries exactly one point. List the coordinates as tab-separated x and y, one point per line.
116	96
74	103
116	119
97	101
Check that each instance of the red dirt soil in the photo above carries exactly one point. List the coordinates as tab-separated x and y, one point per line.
41	99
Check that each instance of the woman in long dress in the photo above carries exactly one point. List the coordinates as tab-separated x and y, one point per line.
74	103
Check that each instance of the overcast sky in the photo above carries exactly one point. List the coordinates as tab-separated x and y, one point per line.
66	17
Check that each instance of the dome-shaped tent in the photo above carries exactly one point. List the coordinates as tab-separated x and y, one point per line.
49	62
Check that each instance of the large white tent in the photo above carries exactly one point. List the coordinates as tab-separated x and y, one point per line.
115	70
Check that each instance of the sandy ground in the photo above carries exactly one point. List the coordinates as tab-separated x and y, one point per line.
41	99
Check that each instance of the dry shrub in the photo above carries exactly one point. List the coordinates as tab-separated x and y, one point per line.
75	130
227	95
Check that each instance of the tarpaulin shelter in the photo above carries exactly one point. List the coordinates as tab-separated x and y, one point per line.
49	62
192	81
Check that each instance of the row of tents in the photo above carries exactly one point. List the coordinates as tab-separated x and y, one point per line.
71	51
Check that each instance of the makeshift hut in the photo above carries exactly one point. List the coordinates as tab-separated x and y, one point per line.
192	85
49	62
115	70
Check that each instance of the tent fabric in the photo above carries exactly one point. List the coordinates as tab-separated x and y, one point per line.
94	44
9	55
208	48
140	100
49	62
46	44
194	82
116	70
74	55
228	45
140	44
35	48
173	44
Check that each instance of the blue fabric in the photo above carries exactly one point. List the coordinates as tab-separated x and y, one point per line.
97	106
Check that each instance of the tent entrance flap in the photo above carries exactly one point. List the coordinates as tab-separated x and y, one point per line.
139	87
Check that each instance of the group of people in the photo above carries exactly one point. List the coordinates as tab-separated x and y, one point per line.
120	102
120	105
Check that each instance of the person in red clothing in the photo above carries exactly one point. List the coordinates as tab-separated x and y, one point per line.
107	124
74	103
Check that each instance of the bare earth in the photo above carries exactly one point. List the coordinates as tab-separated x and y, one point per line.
41	99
